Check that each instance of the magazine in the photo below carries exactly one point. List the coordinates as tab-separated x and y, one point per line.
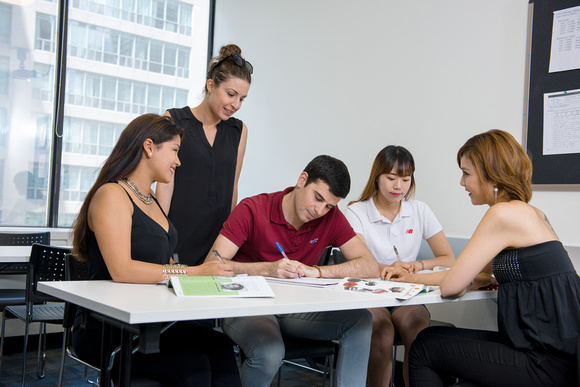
242	286
398	290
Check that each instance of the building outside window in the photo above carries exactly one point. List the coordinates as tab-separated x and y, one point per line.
124	58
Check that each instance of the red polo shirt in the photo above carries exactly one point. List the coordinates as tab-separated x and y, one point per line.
257	223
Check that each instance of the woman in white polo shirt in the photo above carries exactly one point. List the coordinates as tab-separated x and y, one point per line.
392	225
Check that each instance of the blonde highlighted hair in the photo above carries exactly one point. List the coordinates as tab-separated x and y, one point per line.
500	160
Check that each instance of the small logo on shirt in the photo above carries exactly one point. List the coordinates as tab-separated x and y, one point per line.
409	231
314	240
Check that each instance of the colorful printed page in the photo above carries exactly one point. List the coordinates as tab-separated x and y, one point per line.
244	286
398	290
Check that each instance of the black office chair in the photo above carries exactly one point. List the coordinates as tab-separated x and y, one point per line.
17	296
75	270
47	263
311	350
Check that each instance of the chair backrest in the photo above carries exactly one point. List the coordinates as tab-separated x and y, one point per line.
47	263
24	239
326	256
75	270
14	268
336	257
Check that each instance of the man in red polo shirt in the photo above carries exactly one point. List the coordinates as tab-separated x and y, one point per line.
304	220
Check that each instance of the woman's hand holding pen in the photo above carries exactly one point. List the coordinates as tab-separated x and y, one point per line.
212	268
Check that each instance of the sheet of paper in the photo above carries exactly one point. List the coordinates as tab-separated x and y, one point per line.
565	50
562	122
398	290
246	286
304	281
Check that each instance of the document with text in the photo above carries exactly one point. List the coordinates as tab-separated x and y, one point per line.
305	281
244	286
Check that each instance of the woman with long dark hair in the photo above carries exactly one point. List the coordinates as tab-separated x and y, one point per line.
125	236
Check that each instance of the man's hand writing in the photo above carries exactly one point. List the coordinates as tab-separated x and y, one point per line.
286	268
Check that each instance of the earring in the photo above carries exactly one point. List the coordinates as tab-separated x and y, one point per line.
495	189
151	154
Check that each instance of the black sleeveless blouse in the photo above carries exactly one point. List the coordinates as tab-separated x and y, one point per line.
538	298
149	243
204	184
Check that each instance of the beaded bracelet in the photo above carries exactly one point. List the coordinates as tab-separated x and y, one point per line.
319	270
422	264
174	270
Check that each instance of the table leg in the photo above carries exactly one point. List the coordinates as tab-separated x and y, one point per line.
125	365
106	349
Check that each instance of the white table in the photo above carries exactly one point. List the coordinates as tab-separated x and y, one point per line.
14	253
14	264
146	306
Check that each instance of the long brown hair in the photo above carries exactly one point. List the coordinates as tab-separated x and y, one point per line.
123	160
228	69
385	161
500	160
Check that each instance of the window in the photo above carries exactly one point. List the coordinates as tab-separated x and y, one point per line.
119	66
4	75
169	15
45	31
5	22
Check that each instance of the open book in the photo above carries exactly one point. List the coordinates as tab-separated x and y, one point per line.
243	286
398	290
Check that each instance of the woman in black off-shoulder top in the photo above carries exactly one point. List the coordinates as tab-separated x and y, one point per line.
538	287
125	236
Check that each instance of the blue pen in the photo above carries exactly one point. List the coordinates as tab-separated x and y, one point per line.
283	253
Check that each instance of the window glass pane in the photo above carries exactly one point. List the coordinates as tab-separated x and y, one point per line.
77	39
111	46
155	57
4	75
123	67
5	22
45	31
26	106
121	64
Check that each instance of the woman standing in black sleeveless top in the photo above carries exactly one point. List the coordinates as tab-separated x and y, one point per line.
125	236
538	311
201	195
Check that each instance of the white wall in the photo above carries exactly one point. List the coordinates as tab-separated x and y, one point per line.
347	78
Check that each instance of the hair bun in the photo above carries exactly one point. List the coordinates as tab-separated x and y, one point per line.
229	49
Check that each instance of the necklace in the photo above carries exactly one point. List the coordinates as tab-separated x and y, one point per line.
133	187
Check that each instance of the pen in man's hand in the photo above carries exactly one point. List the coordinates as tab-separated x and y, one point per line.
397	253
283	253
215	252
